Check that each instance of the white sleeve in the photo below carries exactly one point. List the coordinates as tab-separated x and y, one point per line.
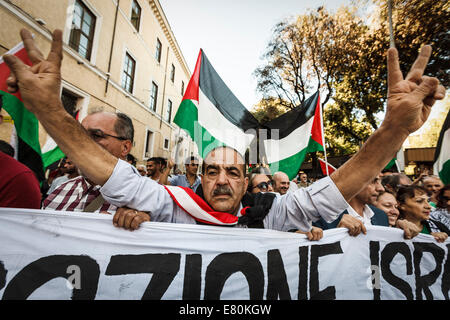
126	187
298	209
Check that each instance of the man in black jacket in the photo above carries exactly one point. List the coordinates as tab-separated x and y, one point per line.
362	212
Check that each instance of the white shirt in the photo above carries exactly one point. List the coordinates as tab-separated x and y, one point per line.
367	214
296	210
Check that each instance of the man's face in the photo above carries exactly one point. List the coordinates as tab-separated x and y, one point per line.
152	167
261	183
103	123
69	167
303	177
281	183
224	182
370	193
192	168
433	185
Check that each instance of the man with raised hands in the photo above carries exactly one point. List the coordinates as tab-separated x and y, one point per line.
219	200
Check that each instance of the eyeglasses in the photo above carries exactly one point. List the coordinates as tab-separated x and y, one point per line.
98	134
263	185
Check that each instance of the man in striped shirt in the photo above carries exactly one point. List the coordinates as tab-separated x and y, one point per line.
115	133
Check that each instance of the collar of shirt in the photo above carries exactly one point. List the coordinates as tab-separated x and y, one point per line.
367	214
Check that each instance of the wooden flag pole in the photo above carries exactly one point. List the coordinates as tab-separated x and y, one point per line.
391	30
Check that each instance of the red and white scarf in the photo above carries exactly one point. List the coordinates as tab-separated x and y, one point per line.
197	208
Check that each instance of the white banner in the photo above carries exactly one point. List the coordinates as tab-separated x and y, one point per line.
67	255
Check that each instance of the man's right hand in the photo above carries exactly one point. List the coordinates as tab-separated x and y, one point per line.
354	226
129	219
39	84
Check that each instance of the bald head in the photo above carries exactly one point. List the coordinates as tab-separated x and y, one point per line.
281	182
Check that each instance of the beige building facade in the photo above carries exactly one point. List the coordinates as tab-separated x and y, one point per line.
119	56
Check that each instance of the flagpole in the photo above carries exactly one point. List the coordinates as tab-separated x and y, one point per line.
391	30
323	137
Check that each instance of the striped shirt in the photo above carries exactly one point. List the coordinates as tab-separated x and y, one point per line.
75	195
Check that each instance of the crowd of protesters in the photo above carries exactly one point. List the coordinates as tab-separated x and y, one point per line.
107	179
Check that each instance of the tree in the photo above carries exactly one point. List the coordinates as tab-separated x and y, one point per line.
308	54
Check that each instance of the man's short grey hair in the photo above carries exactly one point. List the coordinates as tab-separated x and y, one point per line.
123	126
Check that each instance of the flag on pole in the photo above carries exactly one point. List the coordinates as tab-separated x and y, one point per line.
26	125
26	139
442	154
323	165
211	114
299	132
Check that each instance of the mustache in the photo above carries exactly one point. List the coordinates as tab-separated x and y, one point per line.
222	190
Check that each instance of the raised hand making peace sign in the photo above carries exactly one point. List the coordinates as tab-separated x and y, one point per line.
410	99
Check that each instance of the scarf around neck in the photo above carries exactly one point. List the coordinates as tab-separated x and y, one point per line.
255	207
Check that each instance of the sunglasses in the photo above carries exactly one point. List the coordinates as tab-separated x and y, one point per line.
98	134
263	185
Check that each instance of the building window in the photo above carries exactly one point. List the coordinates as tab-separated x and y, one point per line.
135	15
169	111
166	144
172	73
149	144
182	87
128	73
158	50
82	33
70	102
153	96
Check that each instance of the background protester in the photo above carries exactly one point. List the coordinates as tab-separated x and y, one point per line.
393	181
281	182
432	184
142	169
303	180
19	187
414	207
442	211
387	202
189	180
260	180
115	133
363	211
155	167
131	159
69	171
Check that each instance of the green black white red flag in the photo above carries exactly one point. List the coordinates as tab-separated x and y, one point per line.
27	149
442	155
211	114
293	135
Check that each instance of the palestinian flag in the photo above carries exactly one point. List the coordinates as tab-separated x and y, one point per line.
27	147
211	114
323	167
442	154
299	131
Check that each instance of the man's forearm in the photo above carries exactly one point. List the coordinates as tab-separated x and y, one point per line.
358	171
94	162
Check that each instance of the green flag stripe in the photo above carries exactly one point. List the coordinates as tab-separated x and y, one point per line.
187	119
292	164
444	174
52	156
27	126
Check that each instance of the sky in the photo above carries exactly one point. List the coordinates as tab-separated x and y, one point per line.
233	34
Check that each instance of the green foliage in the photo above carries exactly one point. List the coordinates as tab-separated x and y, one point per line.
344	57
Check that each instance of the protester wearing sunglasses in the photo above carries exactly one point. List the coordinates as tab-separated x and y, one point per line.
442	211
260	181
